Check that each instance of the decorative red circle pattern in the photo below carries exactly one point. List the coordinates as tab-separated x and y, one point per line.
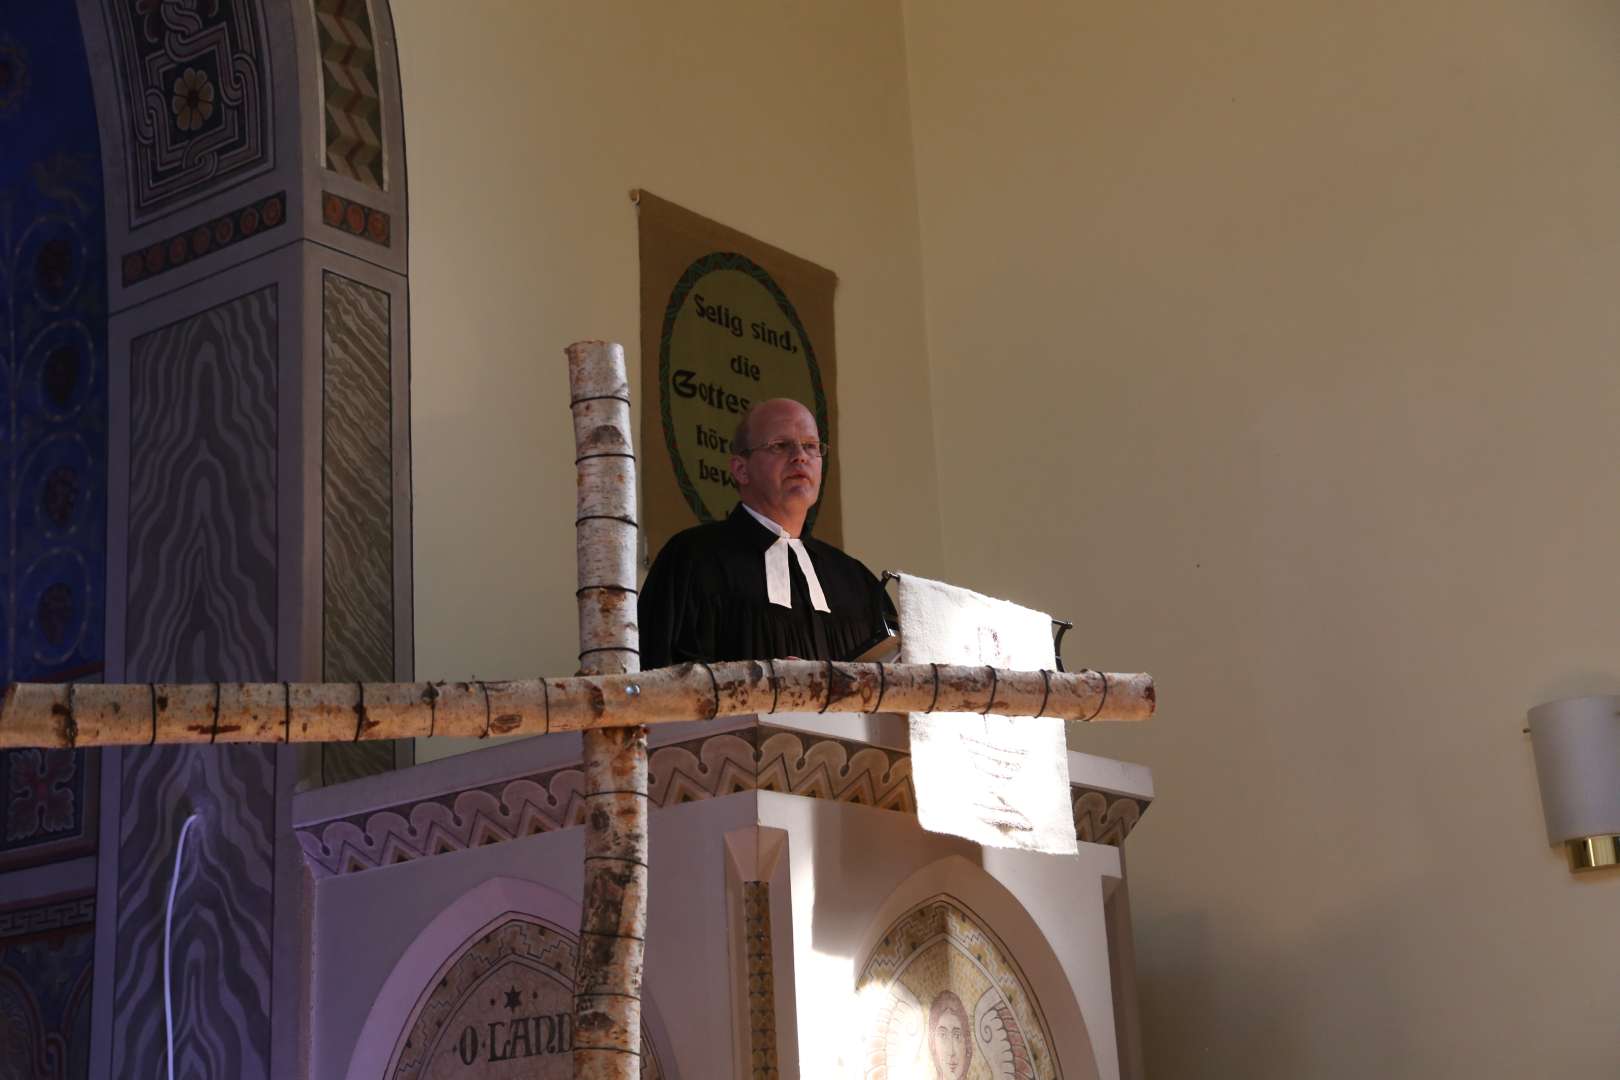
181	248
355	219
267	213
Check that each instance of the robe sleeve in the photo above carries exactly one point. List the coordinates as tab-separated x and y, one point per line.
669	611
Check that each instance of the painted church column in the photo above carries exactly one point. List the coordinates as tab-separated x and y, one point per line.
258	494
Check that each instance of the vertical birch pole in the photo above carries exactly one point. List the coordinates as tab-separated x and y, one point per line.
613	922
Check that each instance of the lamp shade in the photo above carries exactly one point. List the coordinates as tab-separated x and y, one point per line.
1577	747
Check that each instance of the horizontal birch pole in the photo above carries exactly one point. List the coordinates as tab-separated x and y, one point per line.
67	715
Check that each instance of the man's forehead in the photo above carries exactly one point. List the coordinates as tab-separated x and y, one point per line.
783	414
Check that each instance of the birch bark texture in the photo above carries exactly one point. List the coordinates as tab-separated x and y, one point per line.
613	917
68	715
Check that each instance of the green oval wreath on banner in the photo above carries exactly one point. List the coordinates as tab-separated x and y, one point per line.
730	338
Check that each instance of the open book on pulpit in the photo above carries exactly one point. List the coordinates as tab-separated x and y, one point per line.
885	651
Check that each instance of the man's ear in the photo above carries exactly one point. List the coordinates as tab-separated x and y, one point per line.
739	468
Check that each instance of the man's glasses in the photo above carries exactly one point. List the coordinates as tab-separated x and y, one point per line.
785	447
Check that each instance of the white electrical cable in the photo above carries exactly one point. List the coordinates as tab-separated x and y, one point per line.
168	920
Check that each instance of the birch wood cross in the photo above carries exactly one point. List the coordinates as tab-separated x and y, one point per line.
68	715
610	701
613	912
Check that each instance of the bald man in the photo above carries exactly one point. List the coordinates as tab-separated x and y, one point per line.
754	586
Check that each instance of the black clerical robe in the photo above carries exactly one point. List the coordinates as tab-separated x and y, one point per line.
705	599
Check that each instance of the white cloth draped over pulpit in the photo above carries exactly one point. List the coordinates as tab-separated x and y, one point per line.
989	779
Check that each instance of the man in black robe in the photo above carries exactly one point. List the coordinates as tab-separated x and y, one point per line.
738	589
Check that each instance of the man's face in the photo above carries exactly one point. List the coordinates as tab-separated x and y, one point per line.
768	481
949	1046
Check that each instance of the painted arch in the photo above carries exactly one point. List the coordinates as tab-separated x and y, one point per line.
942	998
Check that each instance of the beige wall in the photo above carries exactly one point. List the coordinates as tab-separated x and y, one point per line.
1286	337
527	124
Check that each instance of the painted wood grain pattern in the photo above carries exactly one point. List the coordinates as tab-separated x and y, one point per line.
357	520
357	483
202	516
223	911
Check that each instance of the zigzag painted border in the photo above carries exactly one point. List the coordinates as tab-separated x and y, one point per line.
352	101
1104	818
712	767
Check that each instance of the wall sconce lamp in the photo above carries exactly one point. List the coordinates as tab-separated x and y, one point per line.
1577	746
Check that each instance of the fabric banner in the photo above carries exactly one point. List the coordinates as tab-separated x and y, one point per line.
725	321
989	779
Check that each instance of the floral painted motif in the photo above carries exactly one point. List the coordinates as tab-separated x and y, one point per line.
40	793
208	63
193	99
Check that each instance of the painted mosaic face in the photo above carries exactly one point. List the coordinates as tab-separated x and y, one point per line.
942	1001
948	1037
